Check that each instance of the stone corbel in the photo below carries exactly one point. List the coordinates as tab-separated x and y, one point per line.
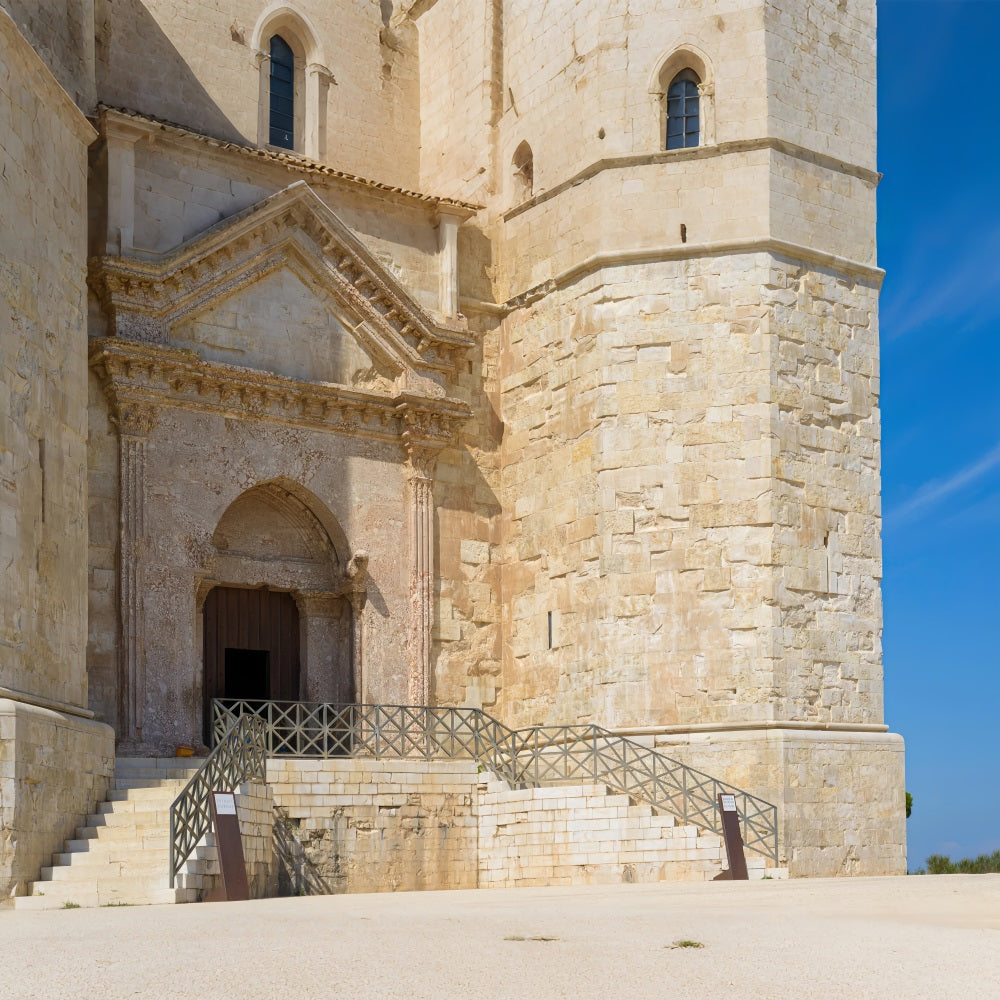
133	306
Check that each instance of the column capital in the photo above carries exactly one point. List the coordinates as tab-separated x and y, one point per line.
136	419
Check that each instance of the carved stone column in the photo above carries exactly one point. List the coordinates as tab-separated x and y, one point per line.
135	421
420	470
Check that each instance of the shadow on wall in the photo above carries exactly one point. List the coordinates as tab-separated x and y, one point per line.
298	874
139	68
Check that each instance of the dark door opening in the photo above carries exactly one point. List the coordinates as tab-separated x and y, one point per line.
251	645
248	674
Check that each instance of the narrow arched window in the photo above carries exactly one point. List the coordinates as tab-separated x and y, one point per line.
282	121
683	118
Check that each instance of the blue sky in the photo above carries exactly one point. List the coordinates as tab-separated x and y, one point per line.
939	242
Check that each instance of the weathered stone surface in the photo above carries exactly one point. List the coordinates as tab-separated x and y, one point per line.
53	768
636	482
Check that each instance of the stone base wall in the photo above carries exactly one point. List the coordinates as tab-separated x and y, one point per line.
255	809
581	835
840	795
54	769
374	826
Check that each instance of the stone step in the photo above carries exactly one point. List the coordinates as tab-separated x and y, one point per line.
69	896
112	851
168	768
124	784
130	817
142	831
158	793
88	839
103	868
135	807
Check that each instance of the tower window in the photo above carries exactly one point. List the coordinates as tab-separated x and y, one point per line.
282	121
683	118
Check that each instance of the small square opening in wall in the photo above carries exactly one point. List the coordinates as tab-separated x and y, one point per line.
248	674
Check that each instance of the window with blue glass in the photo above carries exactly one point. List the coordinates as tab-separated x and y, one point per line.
282	130
683	117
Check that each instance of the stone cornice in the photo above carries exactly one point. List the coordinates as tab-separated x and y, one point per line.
870	177
144	297
141	376
294	162
689	251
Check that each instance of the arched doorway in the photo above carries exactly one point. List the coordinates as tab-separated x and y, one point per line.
279	617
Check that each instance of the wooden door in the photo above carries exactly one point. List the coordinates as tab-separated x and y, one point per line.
251	646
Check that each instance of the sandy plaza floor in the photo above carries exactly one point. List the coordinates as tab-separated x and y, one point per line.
931	936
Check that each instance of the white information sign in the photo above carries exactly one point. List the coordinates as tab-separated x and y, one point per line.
729	803
225	804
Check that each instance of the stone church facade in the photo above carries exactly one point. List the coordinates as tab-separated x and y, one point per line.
518	354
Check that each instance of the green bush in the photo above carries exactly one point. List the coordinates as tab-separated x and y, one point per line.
985	864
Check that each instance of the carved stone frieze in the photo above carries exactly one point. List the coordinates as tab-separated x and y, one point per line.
143	298
140	377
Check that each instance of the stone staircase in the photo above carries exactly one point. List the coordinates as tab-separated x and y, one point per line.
121	856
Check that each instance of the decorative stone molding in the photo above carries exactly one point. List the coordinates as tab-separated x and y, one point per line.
293	228
138	377
422	453
136	419
135	422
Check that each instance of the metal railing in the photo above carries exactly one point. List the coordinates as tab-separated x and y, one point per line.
537	756
239	755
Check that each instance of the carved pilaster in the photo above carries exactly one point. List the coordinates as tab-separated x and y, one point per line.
135	421
356	591
421	503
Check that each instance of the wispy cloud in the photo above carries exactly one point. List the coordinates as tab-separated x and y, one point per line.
958	294
937	489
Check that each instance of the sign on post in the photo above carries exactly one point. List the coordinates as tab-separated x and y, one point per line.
230	847
734	840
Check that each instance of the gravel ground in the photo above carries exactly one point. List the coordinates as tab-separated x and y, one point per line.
913	937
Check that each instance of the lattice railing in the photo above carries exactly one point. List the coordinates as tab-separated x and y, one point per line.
536	756
239	755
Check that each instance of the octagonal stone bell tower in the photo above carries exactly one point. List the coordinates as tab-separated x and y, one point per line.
682	202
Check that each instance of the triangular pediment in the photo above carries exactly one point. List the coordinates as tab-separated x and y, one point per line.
291	237
285	321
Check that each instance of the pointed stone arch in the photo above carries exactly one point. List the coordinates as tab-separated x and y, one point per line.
683	56
312	78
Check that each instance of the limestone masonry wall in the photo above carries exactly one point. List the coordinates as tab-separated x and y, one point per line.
840	795
581	835
54	768
374	826
43	395
200	69
356	825
63	36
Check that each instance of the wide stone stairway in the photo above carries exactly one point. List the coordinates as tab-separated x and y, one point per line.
121	856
